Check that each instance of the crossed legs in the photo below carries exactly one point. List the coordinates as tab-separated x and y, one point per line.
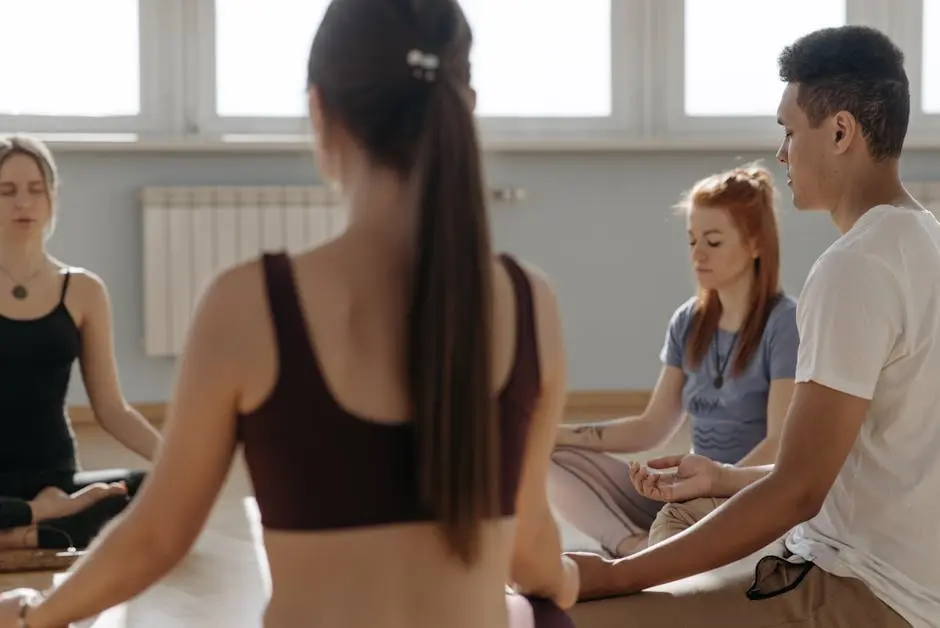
61	510
778	593
593	492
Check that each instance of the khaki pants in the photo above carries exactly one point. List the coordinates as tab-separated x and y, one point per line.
674	518
763	591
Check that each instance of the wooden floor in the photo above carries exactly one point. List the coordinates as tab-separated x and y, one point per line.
223	582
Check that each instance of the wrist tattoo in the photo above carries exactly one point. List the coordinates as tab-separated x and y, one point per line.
594	430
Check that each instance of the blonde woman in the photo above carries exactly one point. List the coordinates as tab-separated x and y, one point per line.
51	315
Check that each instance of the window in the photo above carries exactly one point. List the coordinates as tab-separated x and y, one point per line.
731	51
531	59
86	62
930	90
567	75
261	57
548	66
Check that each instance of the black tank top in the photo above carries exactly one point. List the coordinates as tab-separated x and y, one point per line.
315	466
36	358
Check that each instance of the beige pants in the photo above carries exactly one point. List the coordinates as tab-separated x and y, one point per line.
760	592
674	518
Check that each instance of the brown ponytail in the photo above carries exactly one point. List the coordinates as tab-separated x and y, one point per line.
396	75
450	335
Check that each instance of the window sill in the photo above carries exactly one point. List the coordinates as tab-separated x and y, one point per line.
243	143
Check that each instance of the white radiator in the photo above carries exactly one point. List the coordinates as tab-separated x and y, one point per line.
190	234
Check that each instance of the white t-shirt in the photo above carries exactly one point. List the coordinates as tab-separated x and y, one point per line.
869	324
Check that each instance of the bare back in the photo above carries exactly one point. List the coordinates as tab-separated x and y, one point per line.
355	305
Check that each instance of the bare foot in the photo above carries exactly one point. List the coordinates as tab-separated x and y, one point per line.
53	503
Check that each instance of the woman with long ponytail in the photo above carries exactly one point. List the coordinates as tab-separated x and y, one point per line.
397	390
450	346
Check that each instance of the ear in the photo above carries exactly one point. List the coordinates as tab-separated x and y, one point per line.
472	98
325	160
316	112
845	131
755	248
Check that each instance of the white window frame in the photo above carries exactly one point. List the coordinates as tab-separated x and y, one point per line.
924	129
201	80
673	123
647	92
627	36
160	88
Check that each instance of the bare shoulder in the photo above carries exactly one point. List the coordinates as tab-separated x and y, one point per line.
234	296
86	295
543	292
542	286
547	313
84	282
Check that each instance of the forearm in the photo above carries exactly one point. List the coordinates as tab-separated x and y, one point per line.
765	452
625	435
133	431
122	563
537	568
733	479
759	515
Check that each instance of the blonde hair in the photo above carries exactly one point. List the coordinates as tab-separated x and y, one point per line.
22	144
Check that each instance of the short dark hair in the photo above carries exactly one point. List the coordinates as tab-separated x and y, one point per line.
856	69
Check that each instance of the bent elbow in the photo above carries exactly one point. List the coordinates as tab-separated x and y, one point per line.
811	503
807	502
801	498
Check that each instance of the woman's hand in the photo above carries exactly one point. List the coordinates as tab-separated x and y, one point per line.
10	605
688	477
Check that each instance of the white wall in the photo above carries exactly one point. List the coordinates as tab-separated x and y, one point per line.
599	224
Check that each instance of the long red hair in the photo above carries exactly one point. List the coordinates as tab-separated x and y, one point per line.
747	195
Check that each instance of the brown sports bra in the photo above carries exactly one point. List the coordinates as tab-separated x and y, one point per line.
315	466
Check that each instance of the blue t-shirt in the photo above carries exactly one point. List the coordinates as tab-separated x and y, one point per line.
728	422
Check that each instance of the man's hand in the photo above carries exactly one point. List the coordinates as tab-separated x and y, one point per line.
689	477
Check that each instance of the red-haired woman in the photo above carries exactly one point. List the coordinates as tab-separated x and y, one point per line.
729	360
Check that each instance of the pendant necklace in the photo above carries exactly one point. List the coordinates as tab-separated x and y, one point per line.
19	290
720	365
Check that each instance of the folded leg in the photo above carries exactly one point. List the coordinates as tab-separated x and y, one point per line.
593	492
779	594
676	517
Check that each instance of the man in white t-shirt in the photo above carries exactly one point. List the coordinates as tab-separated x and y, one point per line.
852	505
